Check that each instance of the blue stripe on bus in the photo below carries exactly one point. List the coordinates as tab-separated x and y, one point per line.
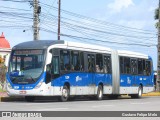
83	79
87	79
130	80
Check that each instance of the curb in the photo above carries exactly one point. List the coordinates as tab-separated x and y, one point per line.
152	94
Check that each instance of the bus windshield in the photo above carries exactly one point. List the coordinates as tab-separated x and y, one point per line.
26	66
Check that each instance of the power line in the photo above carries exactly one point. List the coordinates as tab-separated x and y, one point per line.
77	37
14	8
99	21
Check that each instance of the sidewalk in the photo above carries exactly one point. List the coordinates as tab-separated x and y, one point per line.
3	94
152	94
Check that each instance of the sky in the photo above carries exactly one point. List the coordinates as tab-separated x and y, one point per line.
138	14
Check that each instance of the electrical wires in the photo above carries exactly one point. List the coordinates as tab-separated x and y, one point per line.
75	26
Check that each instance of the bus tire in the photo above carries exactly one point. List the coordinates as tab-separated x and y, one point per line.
139	95
65	94
99	92
29	98
140	92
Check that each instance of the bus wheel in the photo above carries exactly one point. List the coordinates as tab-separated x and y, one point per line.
65	94
139	95
99	93
140	91
29	98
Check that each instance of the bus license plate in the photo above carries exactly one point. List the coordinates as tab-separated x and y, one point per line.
22	92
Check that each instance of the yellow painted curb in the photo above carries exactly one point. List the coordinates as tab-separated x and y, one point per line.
152	94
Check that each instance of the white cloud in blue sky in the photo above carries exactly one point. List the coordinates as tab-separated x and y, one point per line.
118	5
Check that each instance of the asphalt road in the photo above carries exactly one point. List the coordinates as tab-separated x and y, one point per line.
123	104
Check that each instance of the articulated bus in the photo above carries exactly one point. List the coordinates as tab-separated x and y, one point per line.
66	69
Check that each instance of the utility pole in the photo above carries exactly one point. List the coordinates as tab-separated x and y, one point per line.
59	19
158	51
35	20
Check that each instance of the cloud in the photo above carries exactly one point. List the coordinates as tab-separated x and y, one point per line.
118	5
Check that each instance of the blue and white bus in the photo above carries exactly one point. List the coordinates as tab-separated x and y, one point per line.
66	69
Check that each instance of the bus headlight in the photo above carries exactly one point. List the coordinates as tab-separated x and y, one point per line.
39	84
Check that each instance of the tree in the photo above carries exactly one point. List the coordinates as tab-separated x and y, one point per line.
2	72
156	16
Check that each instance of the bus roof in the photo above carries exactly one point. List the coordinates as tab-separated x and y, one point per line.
132	54
44	44
39	44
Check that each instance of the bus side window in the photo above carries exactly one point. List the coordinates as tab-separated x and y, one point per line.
134	66
81	61
75	61
91	63
140	66
121	65
127	66
144	68
105	70
65	60
148	68
99	63
55	65
109	64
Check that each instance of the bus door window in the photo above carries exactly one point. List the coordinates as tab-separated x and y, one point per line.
134	66
75	61
55	67
65	60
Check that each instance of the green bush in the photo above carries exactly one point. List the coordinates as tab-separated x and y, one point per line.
2	75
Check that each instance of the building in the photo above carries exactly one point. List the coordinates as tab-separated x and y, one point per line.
5	49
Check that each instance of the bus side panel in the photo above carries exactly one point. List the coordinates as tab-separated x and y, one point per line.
107	89
127	84
146	82
82	83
